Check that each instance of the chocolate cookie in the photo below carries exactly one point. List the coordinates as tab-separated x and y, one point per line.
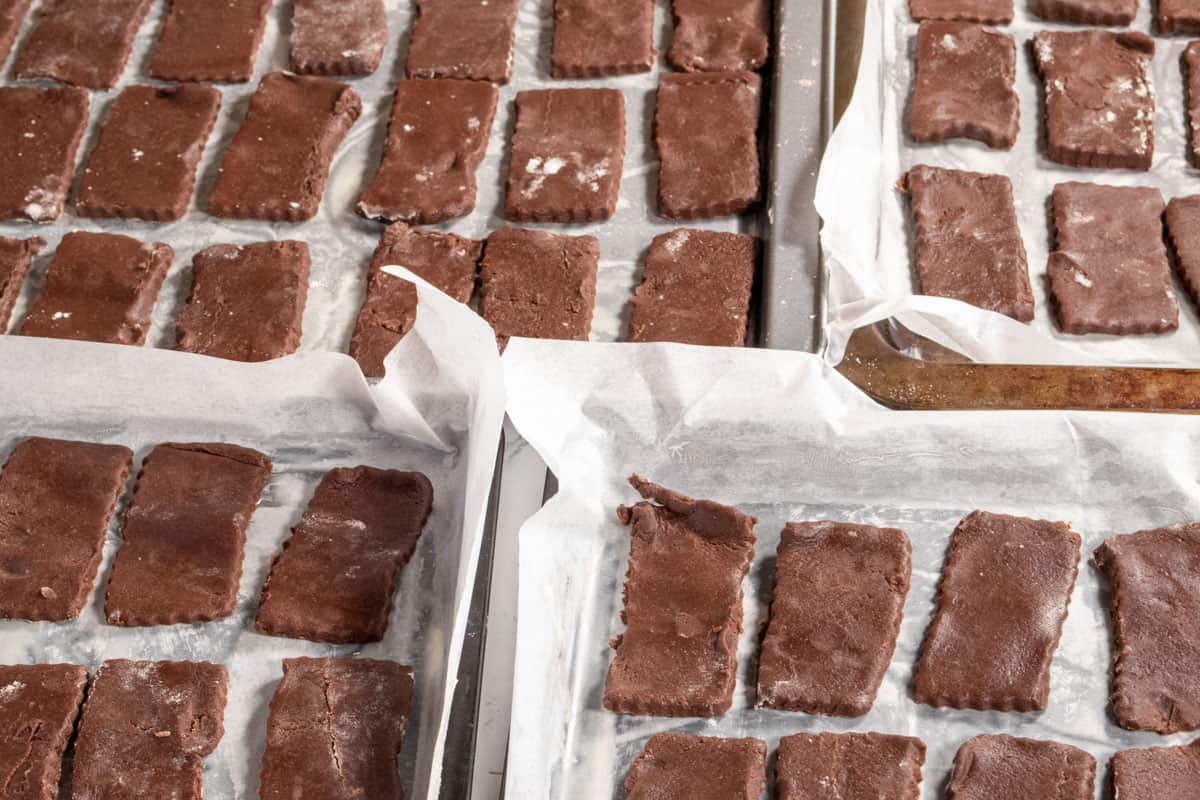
81	42
337	37
1183	229
598	38
1191	60
38	707
994	766
12	14
1157	773
1088	12
679	766
1177	16
202	40
994	12
468	39
720	35
849	766
15	257
38	140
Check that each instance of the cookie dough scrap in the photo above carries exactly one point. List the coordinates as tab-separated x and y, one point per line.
968	244
38	707
203	40
335	728
1157	773
1177	16
680	766
145	159
1001	605
598	38
538	284
568	151
1109	271
468	39
705	128
184	535
695	289
437	137
12	15
446	261
38	140
1099	98
964	85
1183	229
247	301
720	35
277	164
849	766
682	606
1154	575
986	11
337	37
334	578
995	765
1191	60
101	287
81	42
15	257
835	615
1088	12
147	727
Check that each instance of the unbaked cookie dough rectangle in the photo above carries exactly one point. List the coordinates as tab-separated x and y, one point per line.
599	38
720	35
682	765
184	535
992	766
849	766
992	12
15	257
468	39
56	500
39	704
1177	16
1088	12
1191	61
333	581
38	140
12	15
682	606
207	40
1183	229
1157	773
81	42
337	37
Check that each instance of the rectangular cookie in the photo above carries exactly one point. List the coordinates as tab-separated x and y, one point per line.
968	243
468	39
446	261
202	40
1109	271
38	140
835	615
1088	12
1183	229
991	12
12	15
147	727
144	162
1191	60
15	257
335	729
568	150
849	766
81	42
716	174
695	289
184	535
720	35
1157	773
598	38
337	37
247	301
1001	605
38	707
996	765
538	284
682	606
277	164
56	500
1156	627
1177	16
1099	98
675	766
964	85
101	287
437	137
334	578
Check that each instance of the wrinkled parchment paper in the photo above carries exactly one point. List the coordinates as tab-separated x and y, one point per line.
783	437
867	237
439	411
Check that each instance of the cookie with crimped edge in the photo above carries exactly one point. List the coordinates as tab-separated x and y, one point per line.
337	37
681	766
39	704
82	42
600	38
992	766
205	40
849	766
1157	773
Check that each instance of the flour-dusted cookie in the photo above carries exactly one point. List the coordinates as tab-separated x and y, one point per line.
39	704
337	37
147	727
12	14
680	766
1157	773
335	729
1109	271
835	615
38	140
277	164
989	767
205	40
568	150
81	42
15	257
1087	12
597	38
849	766
56	500
247	301
184	534
992	12
1191	61
1001	606
1177	16
683	606
705	128
1183	229
964	85
968	244
468	39
720	35
445	260
1099	91
101	287
437	137
144	162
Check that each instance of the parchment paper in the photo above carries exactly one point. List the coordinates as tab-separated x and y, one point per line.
867	236
439	411
783	437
